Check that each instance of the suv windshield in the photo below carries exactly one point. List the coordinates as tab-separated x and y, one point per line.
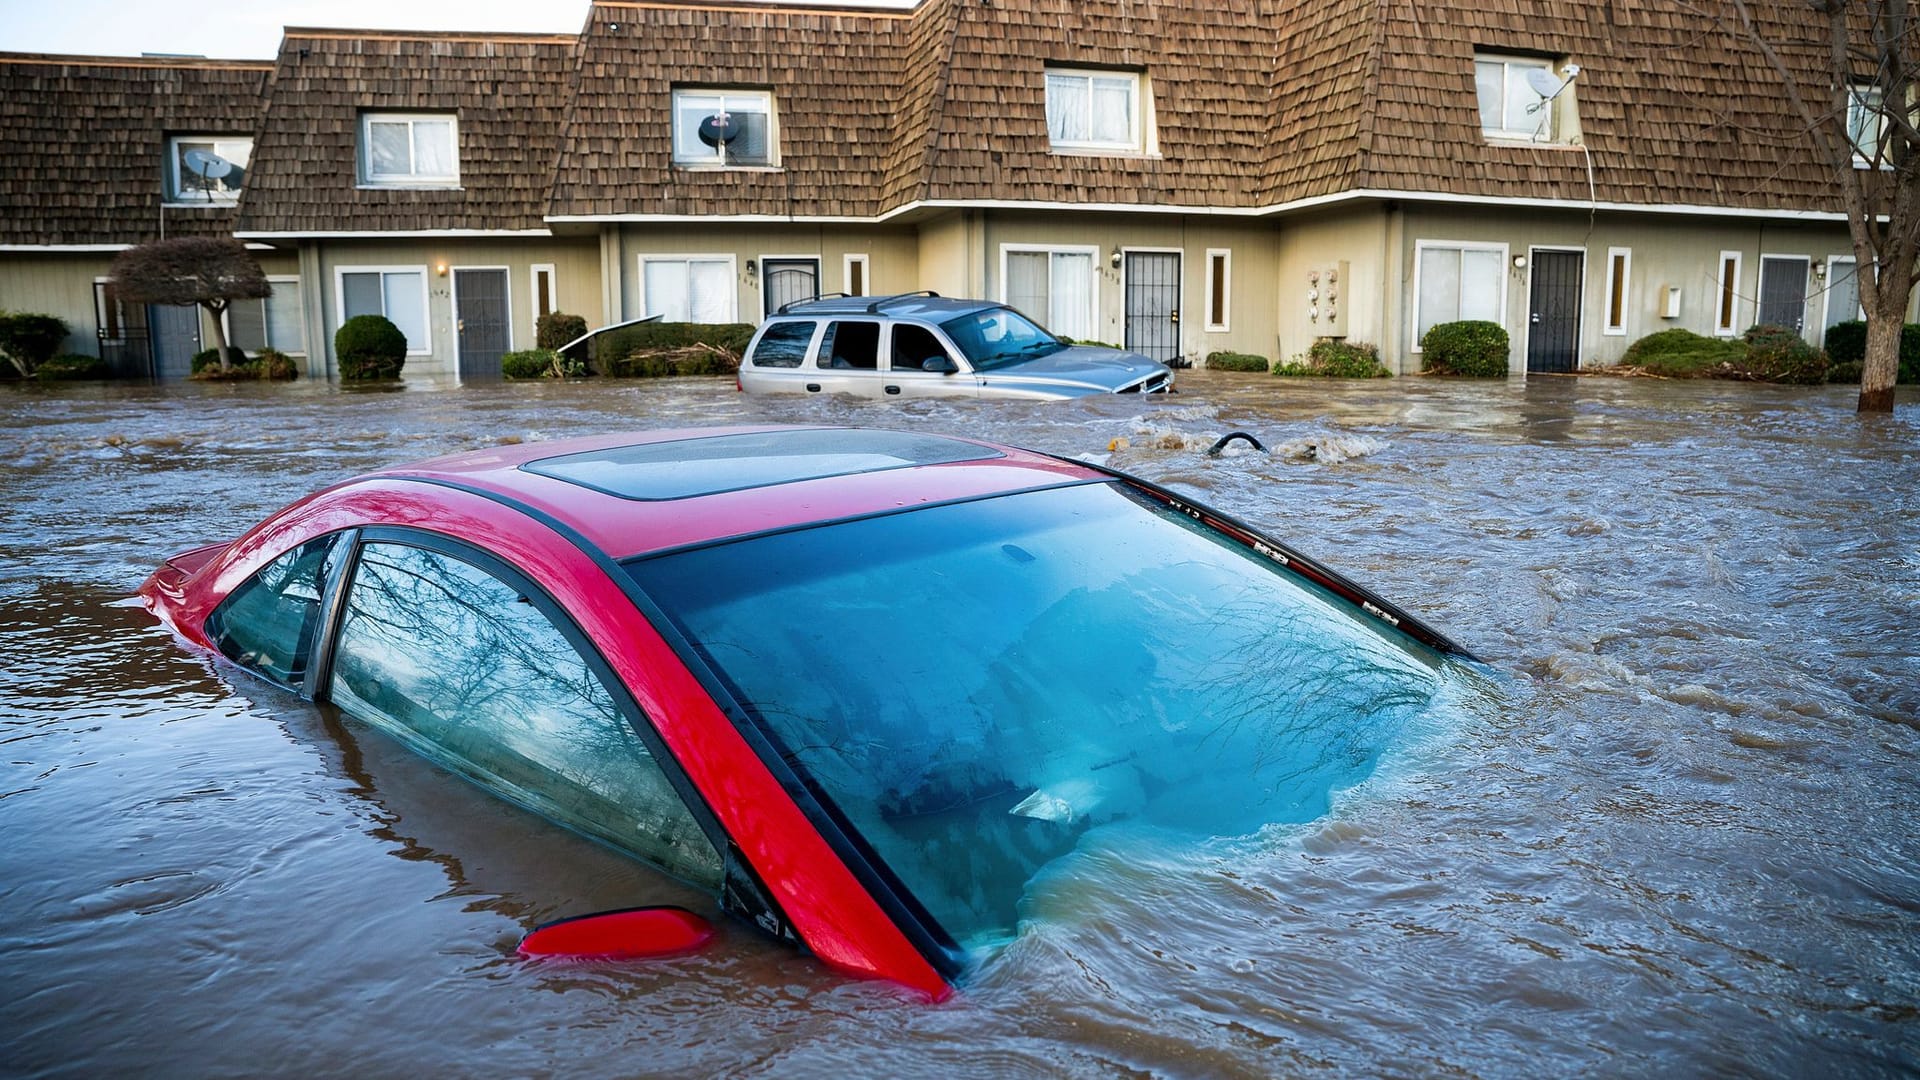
978	689
997	337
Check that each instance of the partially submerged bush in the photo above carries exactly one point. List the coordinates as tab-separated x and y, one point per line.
540	364
29	340
369	347
1225	360
556	328
274	364
1471	347
1683	354
1778	354
1089	342
1336	358
72	366
661	348
1847	349
206	362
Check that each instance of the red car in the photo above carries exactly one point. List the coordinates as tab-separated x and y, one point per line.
861	686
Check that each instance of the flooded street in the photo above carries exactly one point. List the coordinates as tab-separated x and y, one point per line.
1678	833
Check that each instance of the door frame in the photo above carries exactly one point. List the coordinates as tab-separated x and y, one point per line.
1579	307
819	269
453	289
1179	294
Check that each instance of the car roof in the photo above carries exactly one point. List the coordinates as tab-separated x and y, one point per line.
641	493
919	305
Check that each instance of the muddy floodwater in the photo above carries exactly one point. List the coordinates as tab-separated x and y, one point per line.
1673	834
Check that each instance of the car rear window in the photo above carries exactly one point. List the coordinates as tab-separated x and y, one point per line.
784	344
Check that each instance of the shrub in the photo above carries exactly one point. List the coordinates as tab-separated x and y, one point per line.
1337	359
530	364
208	360
1683	354
1088	342
1472	347
369	347
661	348
30	340
72	366
1848	372
1235	361
555	329
1847	349
1779	354
274	364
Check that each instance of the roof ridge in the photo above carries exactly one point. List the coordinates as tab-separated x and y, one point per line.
348	33
1369	98
830	10
87	60
937	100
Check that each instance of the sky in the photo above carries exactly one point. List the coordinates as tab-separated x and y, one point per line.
250	29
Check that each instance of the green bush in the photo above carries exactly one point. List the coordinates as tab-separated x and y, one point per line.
72	366
1235	361
30	340
1847	342
1088	342
1471	347
1848	372
1683	354
661	348
556	328
1336	359
1778	354
1847	349
274	364
209	359
369	347
529	364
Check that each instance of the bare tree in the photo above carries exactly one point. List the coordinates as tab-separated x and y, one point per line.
209	271
1848	69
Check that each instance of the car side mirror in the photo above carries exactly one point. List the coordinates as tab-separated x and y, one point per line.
942	364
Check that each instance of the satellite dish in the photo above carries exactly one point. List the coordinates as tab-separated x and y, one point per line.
1544	82
720	128
207	164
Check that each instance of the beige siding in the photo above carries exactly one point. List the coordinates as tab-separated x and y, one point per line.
894	262
1315	245
60	285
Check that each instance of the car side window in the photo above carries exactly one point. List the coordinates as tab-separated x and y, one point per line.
472	672
851	345
784	344
268	623
913	346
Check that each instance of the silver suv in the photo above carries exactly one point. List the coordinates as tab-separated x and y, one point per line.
926	345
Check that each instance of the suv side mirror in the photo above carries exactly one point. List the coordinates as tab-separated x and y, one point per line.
942	364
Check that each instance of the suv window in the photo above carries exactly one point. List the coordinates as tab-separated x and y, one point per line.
267	623
913	346
475	673
853	345
784	344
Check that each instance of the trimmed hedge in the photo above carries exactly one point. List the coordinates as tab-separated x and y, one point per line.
72	366
556	328
29	340
1847	349
1472	347
662	348
1225	360
1335	358
1778	354
1683	354
369	347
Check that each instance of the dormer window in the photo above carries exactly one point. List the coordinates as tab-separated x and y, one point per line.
206	169
723	129
1096	111
409	150
1525	98
1866	126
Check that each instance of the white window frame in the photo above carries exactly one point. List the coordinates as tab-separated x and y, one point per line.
175	197
718	159
1624	284
426	297
1866	97
1726	296
1093	278
534	291
1225	287
733	274
266	322
369	178
1420	247
847	263
1555	121
1826	294
1136	141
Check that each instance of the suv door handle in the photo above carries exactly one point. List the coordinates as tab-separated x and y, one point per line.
893	389
813	388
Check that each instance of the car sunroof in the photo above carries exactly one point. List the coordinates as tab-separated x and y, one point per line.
686	468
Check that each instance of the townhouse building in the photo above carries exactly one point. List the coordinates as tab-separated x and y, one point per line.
1175	176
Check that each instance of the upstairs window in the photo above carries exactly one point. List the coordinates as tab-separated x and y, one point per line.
207	168
410	149
723	128
1866	127
1094	110
1524	98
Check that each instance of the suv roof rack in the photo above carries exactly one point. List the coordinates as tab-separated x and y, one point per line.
871	305
896	298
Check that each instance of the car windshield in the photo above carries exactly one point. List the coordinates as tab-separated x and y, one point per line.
999	337
975	689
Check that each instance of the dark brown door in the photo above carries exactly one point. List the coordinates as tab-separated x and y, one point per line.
1553	312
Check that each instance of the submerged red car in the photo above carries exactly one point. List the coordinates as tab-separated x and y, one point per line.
861	686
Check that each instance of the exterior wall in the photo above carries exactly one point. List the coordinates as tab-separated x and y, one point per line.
576	264
1666	251
1353	241
892	253
58	284
952	260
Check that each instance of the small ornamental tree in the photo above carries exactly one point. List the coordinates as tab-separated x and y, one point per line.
209	271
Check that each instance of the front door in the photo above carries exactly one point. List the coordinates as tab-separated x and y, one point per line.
480	316
174	331
788	280
1783	291
1553	311
1153	304
121	329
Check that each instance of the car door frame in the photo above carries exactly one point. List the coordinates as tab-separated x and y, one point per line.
963	381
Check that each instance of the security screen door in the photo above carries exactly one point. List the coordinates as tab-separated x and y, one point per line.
1553	312
1153	304
480	301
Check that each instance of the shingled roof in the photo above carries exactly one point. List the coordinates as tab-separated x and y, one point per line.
83	143
510	92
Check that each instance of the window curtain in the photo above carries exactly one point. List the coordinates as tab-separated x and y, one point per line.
1071	313
1068	108
405	294
433	148
1027	293
286	322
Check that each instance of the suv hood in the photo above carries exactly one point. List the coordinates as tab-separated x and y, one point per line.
1091	366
